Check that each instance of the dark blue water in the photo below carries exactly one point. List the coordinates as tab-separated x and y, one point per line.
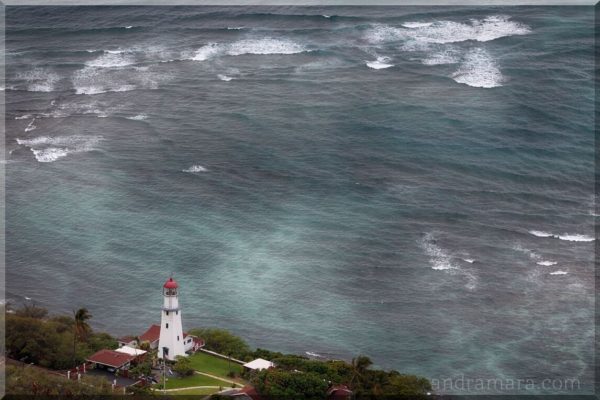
414	184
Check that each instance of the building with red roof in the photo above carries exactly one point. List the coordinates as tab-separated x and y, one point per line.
111	360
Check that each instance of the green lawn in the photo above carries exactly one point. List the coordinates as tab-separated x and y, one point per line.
210	364
194	380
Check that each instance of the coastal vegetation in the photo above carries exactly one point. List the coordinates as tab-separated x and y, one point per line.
56	342
36	339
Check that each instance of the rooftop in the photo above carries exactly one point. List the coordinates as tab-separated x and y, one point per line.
259	364
151	335
110	358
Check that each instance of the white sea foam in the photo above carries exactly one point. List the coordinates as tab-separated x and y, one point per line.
94	80
469	260
264	46
139	117
559	273
484	30
541	233
546	263
235	28
442	57
416	24
49	154
195	168
51	148
31	126
129	27
205	52
24	116
570	237
532	254
478	69
224	77
439	258
575	237
112	59
39	80
380	63
311	354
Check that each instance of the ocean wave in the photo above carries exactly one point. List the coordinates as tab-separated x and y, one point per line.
51	148
195	168
24	116
31	126
541	233
112	59
442	57
93	80
532	254
570	237
441	32
575	237
224	77
139	117
206	52
264	46
380	63
39	80
312	354
478	69
559	273
439	258
469	260
546	263
416	24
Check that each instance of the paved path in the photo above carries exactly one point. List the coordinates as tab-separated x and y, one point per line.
186	388
219	378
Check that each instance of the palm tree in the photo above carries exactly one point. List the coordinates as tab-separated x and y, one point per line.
80	327
359	365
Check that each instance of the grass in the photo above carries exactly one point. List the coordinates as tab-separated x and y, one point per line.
202	391
210	364
194	380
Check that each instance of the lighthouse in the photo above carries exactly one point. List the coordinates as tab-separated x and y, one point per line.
171	340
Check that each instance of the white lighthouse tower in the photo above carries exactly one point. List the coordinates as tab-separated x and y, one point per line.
170	343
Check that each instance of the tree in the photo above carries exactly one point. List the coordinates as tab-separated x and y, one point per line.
277	384
183	366
82	329
222	341
32	311
359	365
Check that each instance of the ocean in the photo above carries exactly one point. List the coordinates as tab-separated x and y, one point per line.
411	183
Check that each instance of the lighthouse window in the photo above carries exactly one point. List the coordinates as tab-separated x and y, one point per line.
178	338
176	312
167	313
167	325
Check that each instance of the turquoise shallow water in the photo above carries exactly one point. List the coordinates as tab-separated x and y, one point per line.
415	184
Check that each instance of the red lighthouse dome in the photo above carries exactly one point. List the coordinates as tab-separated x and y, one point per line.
171	284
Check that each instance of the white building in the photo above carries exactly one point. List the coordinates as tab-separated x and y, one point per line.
170	343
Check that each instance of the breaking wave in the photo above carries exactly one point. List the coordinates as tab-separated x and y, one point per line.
246	46
559	273
570	237
195	168
478	69
546	263
48	149
380	63
39	80
484	30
